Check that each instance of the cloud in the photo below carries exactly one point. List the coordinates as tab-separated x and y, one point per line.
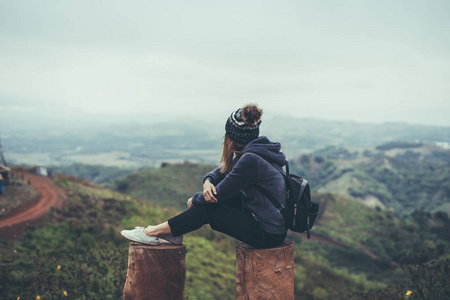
366	62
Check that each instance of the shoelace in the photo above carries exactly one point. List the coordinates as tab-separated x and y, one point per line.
142	227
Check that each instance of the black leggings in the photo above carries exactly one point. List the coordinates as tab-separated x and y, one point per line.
227	219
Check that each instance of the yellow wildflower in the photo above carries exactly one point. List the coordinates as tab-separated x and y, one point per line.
38	297
65	293
18	298
59	267
408	293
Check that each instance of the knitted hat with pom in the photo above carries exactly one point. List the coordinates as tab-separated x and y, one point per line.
243	124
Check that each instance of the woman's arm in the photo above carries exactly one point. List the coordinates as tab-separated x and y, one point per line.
214	176
243	174
209	191
209	181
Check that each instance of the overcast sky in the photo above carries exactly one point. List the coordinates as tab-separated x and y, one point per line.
370	61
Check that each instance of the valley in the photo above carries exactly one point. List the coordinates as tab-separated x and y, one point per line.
374	237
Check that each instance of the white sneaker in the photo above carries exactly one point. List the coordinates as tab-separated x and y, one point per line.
137	235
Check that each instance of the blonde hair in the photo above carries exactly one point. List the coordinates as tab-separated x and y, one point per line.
230	151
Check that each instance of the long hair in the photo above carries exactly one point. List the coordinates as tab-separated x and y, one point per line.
231	152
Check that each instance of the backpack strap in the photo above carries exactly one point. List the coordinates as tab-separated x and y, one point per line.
279	168
274	202
266	194
276	166
303	186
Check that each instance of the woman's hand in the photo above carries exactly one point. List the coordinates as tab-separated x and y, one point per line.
209	190
189	203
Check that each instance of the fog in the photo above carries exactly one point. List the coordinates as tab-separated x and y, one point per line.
82	61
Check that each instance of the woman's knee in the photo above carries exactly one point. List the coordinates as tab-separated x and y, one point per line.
202	212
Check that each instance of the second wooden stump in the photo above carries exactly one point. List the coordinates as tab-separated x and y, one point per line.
155	272
265	273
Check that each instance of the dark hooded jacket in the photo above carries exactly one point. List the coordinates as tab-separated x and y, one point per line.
251	171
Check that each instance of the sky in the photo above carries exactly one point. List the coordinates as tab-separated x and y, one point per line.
363	61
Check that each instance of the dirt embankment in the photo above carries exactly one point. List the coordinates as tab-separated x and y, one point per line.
18	197
36	212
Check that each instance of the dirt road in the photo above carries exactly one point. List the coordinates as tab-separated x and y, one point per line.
35	213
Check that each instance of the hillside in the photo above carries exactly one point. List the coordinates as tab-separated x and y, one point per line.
79	250
342	218
402	177
353	239
170	186
93	172
398	176
18	196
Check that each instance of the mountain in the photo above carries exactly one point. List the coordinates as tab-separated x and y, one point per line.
401	177
148	143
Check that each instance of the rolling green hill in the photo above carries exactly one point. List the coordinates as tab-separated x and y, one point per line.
351	230
96	173
79	250
402	177
170	186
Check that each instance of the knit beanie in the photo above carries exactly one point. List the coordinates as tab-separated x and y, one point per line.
243	124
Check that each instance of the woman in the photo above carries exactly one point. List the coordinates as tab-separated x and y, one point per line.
232	201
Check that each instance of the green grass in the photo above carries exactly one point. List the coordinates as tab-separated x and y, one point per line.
358	226
83	239
171	186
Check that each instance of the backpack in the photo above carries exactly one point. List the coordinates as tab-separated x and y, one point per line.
300	212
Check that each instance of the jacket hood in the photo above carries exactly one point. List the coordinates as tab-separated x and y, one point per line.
266	149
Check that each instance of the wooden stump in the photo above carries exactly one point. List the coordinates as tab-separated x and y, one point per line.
265	273
155	272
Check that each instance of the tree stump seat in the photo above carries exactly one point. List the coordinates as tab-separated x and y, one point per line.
265	273
159	272
155	272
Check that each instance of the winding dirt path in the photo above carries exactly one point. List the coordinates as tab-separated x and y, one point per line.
36	212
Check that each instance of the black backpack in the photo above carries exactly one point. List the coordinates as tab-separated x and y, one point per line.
300	212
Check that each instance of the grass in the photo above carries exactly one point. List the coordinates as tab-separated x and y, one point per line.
171	186
83	239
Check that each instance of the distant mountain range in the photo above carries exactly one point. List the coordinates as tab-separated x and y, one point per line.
139	144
